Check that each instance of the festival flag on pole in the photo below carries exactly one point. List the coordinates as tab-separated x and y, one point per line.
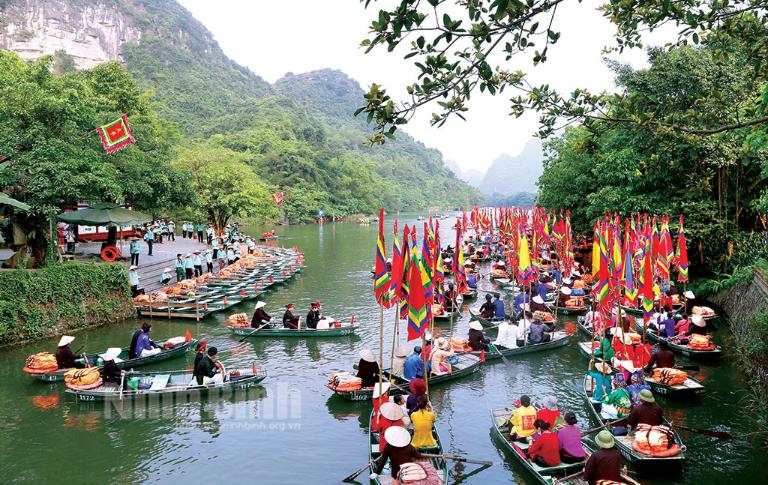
525	274
595	255
396	280
602	286
627	275
116	135
646	273
381	272
279	198
417	306
682	254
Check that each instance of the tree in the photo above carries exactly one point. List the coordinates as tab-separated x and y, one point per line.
718	182
223	185
455	47
50	154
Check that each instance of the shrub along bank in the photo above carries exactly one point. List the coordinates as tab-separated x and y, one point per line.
61	297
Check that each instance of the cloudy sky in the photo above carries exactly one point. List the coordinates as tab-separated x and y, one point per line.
275	37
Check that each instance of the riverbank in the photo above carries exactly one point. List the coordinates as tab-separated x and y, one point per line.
60	298
746	305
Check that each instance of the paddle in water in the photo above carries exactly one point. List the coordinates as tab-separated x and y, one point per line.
458	458
496	349
722	435
254	331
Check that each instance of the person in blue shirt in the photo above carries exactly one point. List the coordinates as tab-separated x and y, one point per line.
133	278
472	281
215	246
188	266
197	261
209	260
520	299
172	231
149	236
557	275
414	365
601	374
498	307
135	250
144	346
165	278
199	228
179	265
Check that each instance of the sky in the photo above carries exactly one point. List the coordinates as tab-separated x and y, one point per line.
272	38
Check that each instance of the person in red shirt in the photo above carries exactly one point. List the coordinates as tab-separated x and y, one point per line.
549	412
545	451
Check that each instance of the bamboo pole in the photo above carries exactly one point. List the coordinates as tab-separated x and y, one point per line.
381	349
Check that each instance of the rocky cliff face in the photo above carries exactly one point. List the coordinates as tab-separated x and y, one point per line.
90	32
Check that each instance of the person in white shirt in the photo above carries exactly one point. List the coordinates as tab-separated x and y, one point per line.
506	336
523	327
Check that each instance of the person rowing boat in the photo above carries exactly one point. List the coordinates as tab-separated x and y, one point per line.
314	316
289	319
111	372
487	308
260	317
209	370
398	450
65	358
604	465
367	368
477	339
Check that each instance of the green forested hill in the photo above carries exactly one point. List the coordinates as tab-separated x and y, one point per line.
299	135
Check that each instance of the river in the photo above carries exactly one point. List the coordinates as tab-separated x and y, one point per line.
292	429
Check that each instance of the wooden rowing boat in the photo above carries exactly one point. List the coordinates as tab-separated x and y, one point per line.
470	295
546	475
559	339
490	323
171	383
690	388
385	477
366	393
468	364
565	310
447	317
708	355
505	283
583	326
624	443
126	363
589	448
345	329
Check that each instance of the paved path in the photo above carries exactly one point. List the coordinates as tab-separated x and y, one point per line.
150	267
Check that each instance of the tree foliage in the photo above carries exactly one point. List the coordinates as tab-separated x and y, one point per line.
50	154
224	185
718	182
457	50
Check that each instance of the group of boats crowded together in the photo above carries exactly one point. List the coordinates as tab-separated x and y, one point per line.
624	376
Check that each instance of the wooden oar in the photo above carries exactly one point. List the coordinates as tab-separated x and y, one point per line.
568	477
722	435
458	458
254	331
500	354
358	472
122	381
607	423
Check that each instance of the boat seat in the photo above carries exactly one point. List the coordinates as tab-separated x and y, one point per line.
550	470
159	382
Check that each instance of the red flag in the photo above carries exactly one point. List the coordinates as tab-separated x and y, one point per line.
116	135
381	272
279	198
187	336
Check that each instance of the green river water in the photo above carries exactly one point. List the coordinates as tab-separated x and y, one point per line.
292	430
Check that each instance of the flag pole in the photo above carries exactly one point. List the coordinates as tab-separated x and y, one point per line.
381	351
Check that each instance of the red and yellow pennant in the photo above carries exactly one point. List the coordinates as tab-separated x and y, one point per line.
116	135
